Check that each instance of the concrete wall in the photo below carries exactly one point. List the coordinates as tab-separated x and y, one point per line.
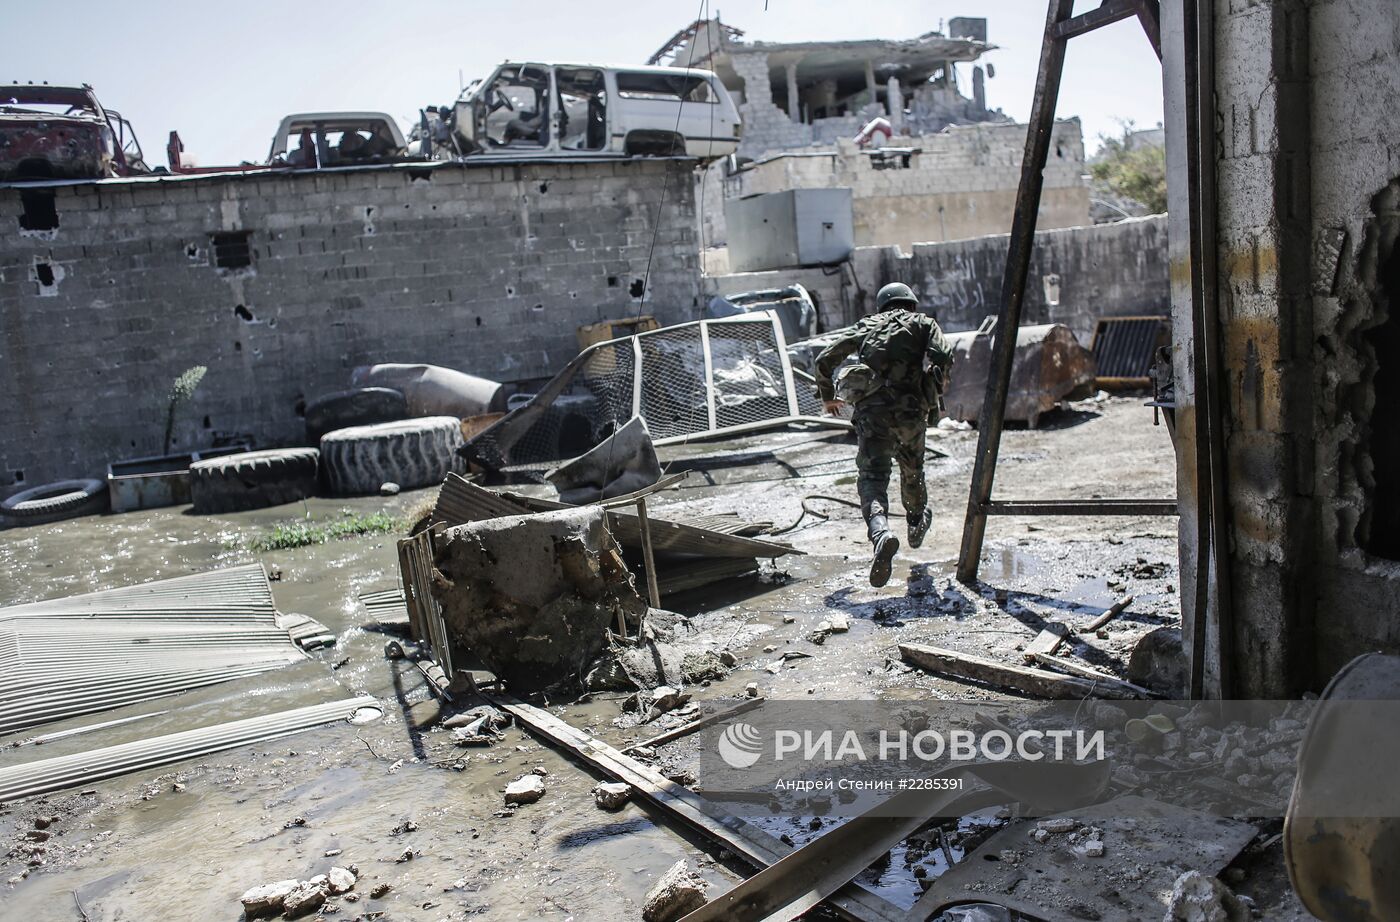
961	183
1307	173
1077	275
487	269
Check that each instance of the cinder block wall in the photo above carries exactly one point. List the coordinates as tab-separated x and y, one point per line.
486	269
962	183
1077	275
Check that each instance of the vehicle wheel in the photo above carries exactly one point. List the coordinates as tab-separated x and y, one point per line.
361	406
53	502
253	479
411	453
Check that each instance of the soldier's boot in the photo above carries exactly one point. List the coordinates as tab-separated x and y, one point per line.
886	545
919	526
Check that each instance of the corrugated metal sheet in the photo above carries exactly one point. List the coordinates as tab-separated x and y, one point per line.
79	655
1123	347
48	775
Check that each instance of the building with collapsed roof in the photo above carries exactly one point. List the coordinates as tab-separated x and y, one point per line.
947	168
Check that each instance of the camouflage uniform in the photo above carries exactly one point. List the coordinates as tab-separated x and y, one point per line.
890	421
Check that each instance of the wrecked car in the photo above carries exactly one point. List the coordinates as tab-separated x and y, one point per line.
793	304
311	140
61	132
525	109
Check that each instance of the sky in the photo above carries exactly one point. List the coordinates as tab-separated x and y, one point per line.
224	76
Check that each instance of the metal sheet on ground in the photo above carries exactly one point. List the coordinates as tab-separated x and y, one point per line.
1147	846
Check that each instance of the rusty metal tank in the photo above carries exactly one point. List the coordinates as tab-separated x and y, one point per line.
1050	367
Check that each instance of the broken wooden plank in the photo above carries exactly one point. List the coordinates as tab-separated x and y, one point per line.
1101	620
700	724
1055	633
752	845
648	558
1025	679
1047	641
1087	672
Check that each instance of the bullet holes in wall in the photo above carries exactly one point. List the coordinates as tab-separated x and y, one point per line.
232	249
45	275
242	313
612	281
637	288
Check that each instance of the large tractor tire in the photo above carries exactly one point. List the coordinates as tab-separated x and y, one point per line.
411	453
253	479
53	502
361	406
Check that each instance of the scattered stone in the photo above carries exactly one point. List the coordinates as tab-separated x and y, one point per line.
682	776
612	795
789	619
44	822
389	488
406	855
679	892
1093	848
751	689
524	790
728	659
294	822
405	826
770	649
178	788
539	770
306	896
665	698
331	852
1058	824
341	880
274	573
839	624
1197	897
267	900
380	891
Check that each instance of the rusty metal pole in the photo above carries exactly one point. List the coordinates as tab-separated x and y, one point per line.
1013	287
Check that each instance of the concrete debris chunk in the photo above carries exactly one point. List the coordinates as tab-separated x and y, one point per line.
680	891
751	689
534	596
612	795
838	624
524	790
267	899
341	880
307	896
665	698
1198	897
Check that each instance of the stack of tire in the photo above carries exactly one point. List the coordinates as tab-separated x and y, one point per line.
409	452
254	479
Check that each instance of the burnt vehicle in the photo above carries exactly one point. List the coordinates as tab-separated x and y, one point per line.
60	132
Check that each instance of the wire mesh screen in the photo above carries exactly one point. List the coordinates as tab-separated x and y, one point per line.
693	379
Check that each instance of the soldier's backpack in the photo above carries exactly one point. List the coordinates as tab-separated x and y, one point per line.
907	354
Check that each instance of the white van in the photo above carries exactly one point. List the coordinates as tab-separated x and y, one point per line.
525	110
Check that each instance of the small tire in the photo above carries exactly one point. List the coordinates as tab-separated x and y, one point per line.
411	453
254	479
53	502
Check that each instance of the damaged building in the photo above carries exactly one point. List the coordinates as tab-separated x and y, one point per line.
940	164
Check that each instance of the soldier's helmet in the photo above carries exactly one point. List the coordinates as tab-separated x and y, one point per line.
895	294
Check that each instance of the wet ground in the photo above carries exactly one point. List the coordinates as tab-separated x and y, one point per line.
185	842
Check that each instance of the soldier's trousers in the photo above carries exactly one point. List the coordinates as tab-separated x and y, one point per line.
885	434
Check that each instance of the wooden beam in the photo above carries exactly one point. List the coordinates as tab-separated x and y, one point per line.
1087	672
706	721
1025	679
753	845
